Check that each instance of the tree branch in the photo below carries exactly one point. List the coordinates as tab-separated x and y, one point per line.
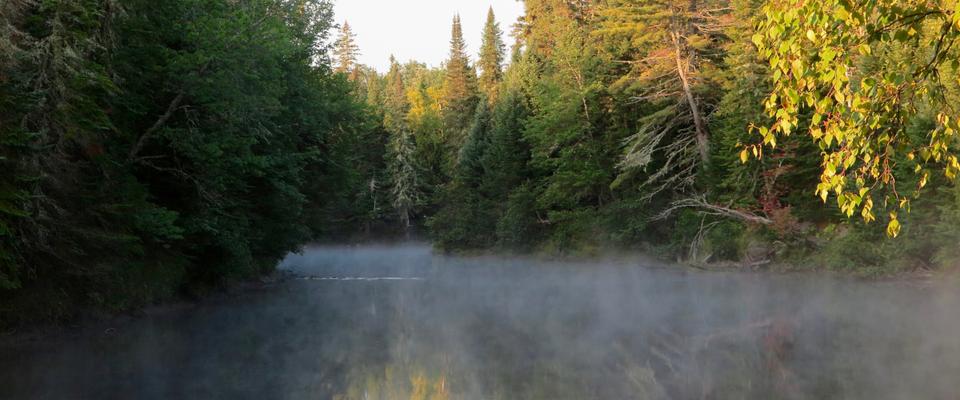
171	108
712	209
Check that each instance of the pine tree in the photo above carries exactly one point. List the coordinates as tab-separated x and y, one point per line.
346	51
491	58
459	95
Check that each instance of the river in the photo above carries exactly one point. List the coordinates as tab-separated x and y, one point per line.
397	322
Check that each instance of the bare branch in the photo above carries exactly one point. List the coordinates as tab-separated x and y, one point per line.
171	108
707	208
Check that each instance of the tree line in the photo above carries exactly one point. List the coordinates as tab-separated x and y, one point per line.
709	131
153	149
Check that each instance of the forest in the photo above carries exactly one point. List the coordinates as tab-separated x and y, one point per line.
154	150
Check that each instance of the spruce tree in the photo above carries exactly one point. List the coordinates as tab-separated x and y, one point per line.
466	218
507	154
491	58
470	168
395	104
459	95
374	89
403	171
405	178
346	51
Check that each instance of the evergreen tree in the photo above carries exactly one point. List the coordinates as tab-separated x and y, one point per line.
424	92
153	150
507	156
395	104
374	89
491	58
466	219
403	169
470	169
459	90
346	51
405	179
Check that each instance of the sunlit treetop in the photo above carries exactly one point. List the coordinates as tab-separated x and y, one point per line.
853	75
346	51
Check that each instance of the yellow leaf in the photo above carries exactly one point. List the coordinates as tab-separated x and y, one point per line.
893	228
839	96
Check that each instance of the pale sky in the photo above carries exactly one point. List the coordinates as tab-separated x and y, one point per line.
419	29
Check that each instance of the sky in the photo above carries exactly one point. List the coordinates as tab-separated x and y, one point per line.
419	29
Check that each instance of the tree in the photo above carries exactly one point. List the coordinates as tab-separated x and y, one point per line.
459	90
854	76
544	22
566	131
346	51
154	149
402	166
374	87
405	179
669	44
395	104
491	58
15	143
424	93
471	168
508	154
465	219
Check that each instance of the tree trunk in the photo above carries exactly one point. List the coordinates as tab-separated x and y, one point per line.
703	136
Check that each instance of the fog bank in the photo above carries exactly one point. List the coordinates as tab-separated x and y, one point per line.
392	322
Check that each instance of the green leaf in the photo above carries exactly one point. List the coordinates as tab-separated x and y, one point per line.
828	54
901	36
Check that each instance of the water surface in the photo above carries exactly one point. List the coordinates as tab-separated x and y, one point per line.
396	322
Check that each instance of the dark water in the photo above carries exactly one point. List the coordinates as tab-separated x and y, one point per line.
448	328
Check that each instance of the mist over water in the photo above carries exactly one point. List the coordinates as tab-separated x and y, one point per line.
397	322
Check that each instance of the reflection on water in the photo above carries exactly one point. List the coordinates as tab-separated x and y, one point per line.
393	384
398	323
